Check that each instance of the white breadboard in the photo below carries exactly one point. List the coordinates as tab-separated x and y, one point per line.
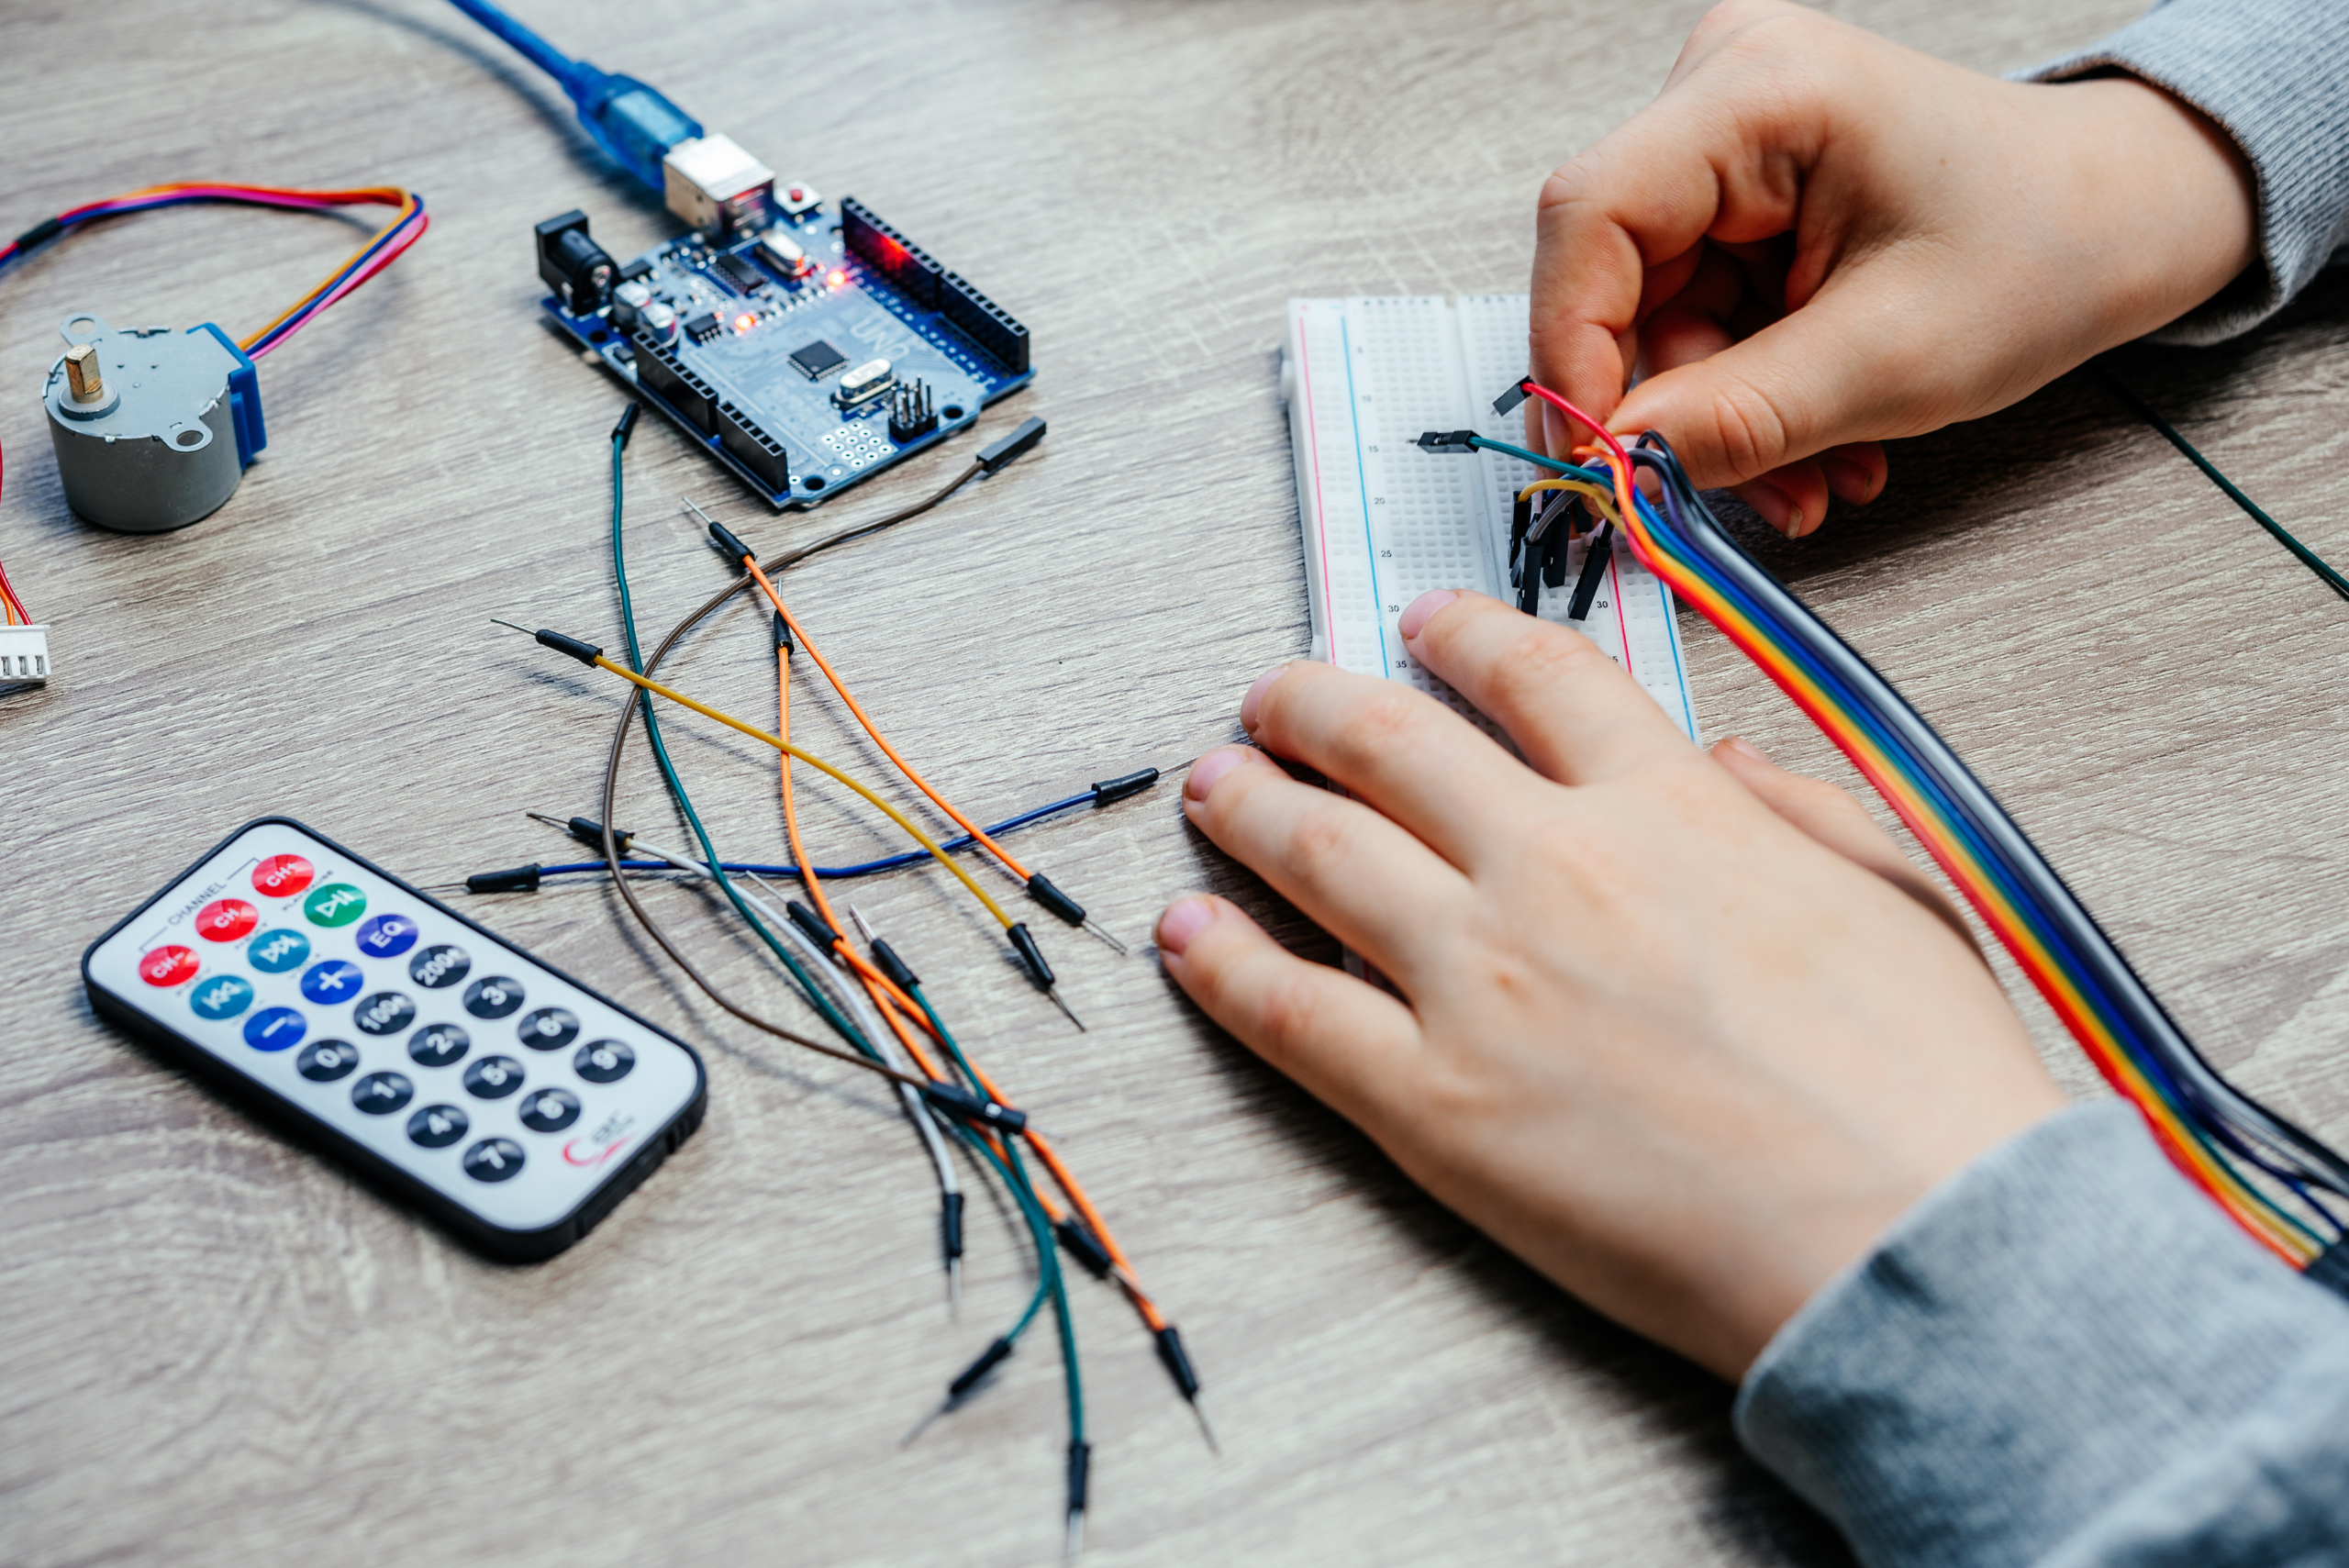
1385	522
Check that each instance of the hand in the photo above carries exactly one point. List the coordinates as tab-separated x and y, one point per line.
1683	1031
1814	240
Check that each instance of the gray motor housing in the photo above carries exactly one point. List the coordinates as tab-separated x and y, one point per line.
171	432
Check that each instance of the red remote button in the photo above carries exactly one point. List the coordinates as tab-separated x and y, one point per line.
225	919
167	966
282	876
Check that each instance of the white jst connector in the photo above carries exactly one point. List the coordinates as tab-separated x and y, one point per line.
24	655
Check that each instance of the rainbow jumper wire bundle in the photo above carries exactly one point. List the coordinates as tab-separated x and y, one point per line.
153	429
2282	1185
803	351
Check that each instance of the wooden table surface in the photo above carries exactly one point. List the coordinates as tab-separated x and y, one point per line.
219	1349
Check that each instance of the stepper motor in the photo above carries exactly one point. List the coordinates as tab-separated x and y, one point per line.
153	428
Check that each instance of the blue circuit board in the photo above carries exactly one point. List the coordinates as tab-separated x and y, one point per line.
751	358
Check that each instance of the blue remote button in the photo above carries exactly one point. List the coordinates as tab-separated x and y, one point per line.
274	952
437	1127
380	1093
387	1012
324	1061
493	1160
275	1029
494	1077
222	998
331	983
386	935
436	1045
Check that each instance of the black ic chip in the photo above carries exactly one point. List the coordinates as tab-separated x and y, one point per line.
702	328
740	274
819	359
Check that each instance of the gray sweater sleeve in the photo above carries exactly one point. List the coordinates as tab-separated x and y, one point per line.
2275	75
2064	1355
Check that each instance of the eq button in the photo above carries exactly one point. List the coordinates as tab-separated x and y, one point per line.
385	936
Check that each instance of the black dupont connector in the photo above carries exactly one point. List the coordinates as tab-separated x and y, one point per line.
1115	789
1594	571
783	634
1178	1365
900	973
1079	1243
1031	957
1059	905
627	426
999	455
810	923
957	1101
586	652
968	1378
590	833
1520	518
1511	398
520	879
736	550
1447	441
950	1225
1080	1467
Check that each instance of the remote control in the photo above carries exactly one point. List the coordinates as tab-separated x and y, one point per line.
446	1065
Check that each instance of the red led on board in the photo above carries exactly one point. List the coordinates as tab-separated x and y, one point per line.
226	920
282	876
167	965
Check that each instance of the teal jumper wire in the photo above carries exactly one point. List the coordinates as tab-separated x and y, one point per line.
629	119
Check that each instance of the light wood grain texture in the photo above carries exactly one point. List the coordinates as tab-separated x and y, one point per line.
219	1349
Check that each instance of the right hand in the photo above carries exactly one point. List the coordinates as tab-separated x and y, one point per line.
1815	239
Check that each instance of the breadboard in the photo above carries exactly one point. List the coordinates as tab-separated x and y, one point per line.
1385	521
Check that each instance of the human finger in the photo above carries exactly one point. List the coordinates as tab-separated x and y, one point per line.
1347	1043
1397	749
1355	873
1832	818
1576	716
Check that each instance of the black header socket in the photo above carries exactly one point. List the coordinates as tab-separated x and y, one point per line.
1594	569
999	455
1446	440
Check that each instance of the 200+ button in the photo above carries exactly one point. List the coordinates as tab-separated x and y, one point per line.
386	1012
442	963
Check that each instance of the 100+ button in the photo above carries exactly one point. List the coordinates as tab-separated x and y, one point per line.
386	1012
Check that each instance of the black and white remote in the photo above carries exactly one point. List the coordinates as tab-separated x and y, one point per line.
502	1097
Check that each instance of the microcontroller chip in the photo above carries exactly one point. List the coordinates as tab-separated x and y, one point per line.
740	274
702	328
819	359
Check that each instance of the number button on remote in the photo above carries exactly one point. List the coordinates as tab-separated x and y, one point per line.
436	1045
548	1029
168	966
437	1127
275	952
493	1160
282	876
336	904
386	935
331	983
275	1029
493	998
225	919
322	1062
387	1012
492	1077
549	1110
603	1062
380	1093
438	965
222	998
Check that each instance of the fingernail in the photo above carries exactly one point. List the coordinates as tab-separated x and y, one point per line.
1846	478
1249	704
1777	509
1209	767
1420	611
1184	919
1744	747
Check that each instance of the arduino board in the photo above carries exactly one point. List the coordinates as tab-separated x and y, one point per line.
805	356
